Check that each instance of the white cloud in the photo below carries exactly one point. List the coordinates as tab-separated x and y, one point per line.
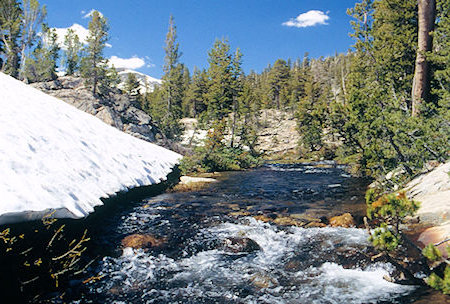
79	30
88	15
127	63
310	18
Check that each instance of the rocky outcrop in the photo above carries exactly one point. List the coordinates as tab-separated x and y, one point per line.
278	133
117	110
432	190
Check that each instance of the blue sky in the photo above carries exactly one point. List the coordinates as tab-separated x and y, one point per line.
264	30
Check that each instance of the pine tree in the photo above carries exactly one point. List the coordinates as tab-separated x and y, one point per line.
41	65
220	87
194	103
311	115
278	81
93	65
441	61
10	31
236	87
132	86
72	49
170	95
109	79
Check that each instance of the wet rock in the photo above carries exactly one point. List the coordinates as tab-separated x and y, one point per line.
239	213
137	241
315	225
324	220
263	218
233	206
345	220
288	221
240	245
293	266
262	281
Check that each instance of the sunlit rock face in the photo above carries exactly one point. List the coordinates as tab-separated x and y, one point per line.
55	157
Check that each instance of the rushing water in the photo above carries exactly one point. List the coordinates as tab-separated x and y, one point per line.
291	265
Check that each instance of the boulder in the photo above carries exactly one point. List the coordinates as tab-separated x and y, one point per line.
137	241
288	221
345	220
109	117
240	245
432	190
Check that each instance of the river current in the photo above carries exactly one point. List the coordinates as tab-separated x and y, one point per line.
289	264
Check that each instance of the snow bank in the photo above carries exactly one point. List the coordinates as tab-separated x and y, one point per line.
56	157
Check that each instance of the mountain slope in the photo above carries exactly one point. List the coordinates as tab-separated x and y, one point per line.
56	157
147	83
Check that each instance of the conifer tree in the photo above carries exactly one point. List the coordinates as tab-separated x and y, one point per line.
236	87
167	107
109	79
220	87
278	79
194	103
72	49
93	65
41	65
132	86
10	31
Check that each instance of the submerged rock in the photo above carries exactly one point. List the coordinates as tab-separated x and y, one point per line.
138	241
240	245
345	220
261	281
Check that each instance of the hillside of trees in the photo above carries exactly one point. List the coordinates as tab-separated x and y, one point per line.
386	101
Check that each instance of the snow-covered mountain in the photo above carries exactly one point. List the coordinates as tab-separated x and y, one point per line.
147	82
55	157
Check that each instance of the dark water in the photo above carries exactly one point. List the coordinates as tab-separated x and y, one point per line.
292	264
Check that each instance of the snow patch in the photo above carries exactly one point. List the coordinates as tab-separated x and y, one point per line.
56	157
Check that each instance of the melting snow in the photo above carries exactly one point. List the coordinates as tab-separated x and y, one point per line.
56	157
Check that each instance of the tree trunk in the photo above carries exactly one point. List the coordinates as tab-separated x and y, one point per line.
420	90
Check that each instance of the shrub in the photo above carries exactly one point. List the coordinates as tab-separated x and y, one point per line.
216	155
439	282
389	211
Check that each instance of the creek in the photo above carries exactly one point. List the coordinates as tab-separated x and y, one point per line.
289	264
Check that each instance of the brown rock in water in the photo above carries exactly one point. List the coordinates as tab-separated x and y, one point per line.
239	213
137	241
288	221
345	220
315	225
238	245
262	218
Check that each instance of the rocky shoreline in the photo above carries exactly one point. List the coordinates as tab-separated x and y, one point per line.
432	190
